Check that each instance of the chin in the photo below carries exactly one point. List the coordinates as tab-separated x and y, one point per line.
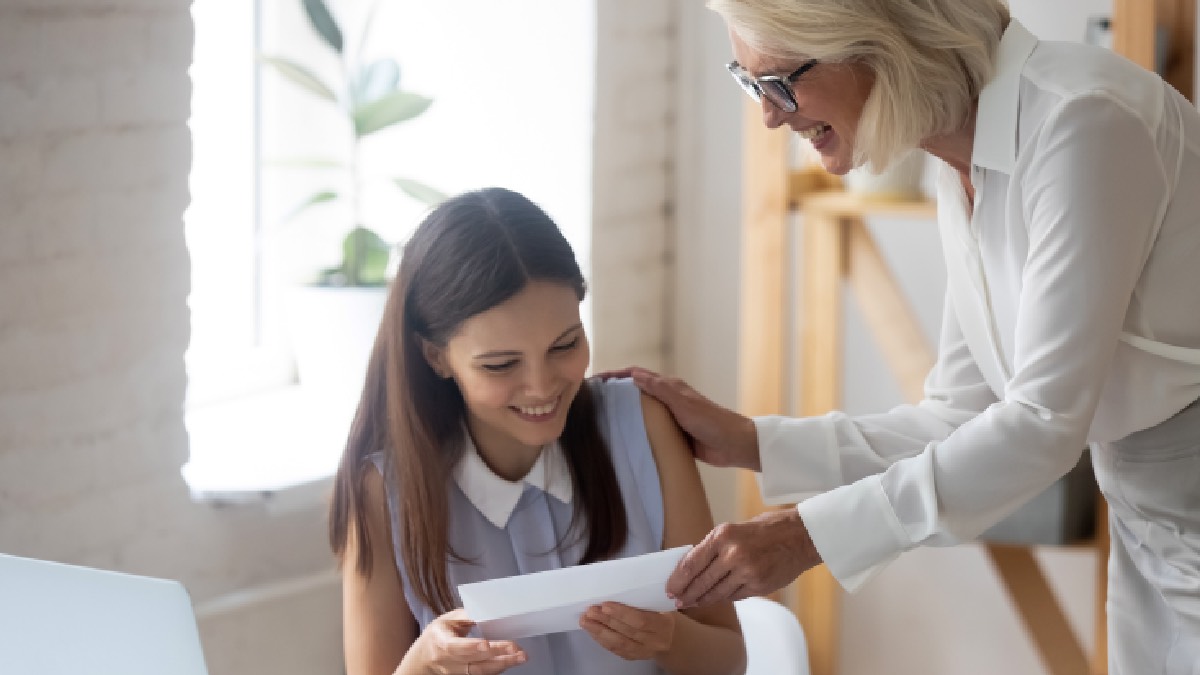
836	165
539	440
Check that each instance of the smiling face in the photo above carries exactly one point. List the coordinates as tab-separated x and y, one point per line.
829	102
518	366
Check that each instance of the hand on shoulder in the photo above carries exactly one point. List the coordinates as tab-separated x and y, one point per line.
716	435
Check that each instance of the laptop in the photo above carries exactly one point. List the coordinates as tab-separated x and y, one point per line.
63	620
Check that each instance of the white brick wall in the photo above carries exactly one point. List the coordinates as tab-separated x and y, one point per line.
94	275
633	204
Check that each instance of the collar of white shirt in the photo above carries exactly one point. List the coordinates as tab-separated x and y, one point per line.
496	497
999	103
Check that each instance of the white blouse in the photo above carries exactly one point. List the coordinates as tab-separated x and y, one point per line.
1072	314
496	497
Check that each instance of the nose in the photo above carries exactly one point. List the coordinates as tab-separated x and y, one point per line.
540	381
773	117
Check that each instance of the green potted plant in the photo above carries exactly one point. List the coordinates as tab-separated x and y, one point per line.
369	99
334	318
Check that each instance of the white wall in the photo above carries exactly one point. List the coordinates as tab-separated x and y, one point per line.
94	158
933	611
707	232
634	164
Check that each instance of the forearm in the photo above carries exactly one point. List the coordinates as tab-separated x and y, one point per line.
703	649
412	665
802	457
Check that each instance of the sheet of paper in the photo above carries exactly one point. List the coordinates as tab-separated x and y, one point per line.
552	601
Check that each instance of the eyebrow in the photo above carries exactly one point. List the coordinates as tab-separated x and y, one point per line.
758	75
782	72
499	353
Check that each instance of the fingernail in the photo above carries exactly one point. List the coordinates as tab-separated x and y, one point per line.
483	646
607	610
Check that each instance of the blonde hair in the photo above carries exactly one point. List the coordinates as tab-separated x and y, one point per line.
930	58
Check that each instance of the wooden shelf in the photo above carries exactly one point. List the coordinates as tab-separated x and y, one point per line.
840	203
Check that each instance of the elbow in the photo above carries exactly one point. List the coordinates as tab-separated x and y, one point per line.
1062	437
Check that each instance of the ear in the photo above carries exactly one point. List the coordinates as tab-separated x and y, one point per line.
435	356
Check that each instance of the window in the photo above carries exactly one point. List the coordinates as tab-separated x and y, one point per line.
221	223
512	87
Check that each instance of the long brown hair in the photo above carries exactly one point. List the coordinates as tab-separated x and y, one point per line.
471	253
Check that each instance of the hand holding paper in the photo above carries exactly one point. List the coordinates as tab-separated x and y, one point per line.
633	634
552	601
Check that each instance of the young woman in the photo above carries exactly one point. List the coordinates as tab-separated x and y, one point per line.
480	451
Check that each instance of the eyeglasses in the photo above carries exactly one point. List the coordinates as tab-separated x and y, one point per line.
776	89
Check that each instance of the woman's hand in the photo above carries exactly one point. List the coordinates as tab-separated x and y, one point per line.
443	648
735	561
717	435
631	633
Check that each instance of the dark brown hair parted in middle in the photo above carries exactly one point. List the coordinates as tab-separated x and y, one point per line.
473	252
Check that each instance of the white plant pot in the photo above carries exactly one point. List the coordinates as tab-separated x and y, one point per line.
900	181
332	331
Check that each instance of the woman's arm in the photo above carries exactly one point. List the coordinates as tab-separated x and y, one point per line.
380	635
801	457
706	639
378	627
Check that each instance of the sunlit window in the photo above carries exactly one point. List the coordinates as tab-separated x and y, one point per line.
511	86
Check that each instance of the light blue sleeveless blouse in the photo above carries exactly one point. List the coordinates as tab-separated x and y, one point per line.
528	542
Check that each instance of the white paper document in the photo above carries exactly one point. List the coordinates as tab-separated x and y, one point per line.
552	601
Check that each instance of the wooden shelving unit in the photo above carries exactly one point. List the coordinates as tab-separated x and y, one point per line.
838	250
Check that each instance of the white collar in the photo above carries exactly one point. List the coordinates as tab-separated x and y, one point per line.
496	497
999	102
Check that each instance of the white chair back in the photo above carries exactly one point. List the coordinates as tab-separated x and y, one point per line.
774	638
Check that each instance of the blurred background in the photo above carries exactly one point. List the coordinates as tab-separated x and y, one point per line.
174	177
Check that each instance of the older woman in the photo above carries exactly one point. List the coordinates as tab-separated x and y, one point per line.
1069	213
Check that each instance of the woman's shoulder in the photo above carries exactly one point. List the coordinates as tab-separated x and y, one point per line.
1072	77
380	483
617	406
667	441
611	389
619	401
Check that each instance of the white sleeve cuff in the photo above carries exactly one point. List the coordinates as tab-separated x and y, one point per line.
798	456
855	530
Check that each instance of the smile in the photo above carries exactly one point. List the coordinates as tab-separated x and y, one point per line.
816	132
537	412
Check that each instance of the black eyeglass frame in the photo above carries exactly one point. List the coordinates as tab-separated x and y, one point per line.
776	89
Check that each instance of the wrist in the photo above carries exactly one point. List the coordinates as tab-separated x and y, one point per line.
807	551
750	445
665	654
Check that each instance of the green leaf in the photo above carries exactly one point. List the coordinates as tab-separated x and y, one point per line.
364	258
376	80
420	191
311	201
322	21
301	76
393	108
